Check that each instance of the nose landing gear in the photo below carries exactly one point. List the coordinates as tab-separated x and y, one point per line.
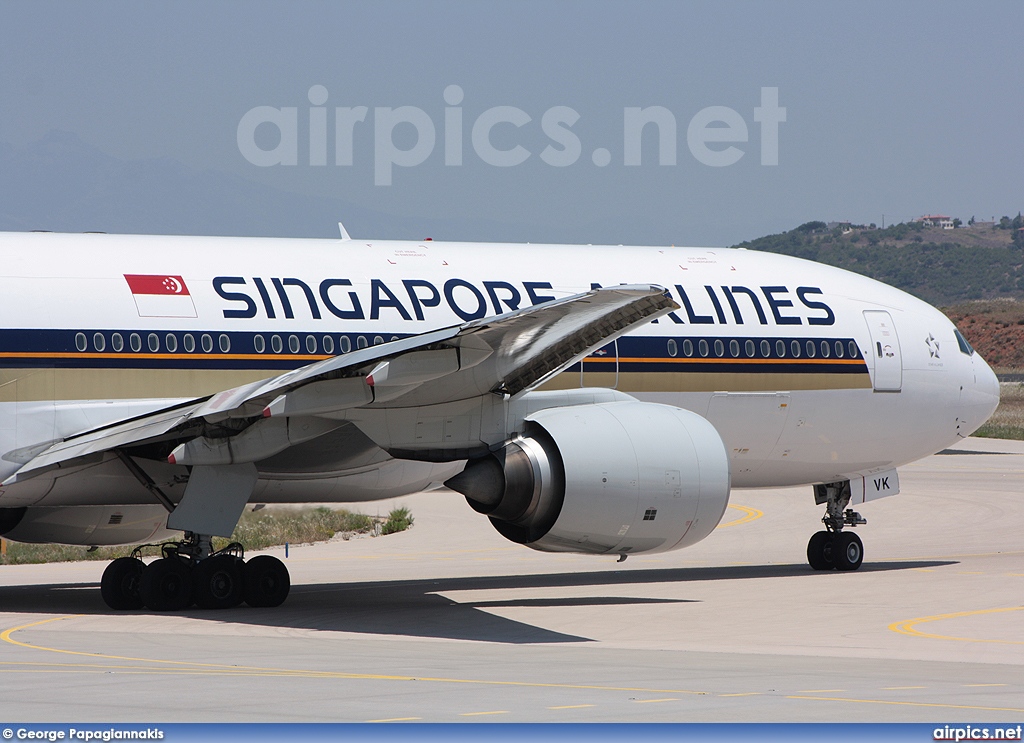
834	548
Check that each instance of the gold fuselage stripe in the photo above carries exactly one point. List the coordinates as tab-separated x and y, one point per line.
47	384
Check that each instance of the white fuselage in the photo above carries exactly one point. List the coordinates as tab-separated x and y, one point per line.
809	373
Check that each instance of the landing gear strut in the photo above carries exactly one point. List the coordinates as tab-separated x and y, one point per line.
833	548
190	572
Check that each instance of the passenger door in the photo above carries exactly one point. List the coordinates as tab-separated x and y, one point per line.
885	350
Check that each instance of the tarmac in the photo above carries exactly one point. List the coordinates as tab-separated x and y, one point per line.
448	622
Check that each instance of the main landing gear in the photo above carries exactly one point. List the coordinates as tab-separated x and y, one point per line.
189	573
835	548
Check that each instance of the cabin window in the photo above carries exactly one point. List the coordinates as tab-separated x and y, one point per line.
688	348
734	348
189	343
854	351
361	342
310	344
812	351
826	350
276	344
99	342
135	342
780	349
225	343
702	347
377	340
346	344
293	343
766	349
749	348
172	342
154	342
328	343
117	342
672	348
839	350
259	344
207	342
81	343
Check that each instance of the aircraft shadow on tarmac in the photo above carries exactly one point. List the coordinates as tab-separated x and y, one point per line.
970	452
416	608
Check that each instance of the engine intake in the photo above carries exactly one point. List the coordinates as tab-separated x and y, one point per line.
623	477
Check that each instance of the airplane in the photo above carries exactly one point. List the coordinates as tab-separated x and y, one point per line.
588	399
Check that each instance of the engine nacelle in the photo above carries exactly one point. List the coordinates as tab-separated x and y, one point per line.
614	478
85	525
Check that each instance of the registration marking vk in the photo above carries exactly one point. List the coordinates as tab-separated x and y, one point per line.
874	486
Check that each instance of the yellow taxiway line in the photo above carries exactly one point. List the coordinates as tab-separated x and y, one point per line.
909	626
133	665
749	514
233	670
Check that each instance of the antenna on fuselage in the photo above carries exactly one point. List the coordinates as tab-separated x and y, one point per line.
344	232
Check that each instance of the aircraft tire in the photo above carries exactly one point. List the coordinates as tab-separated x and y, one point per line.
217	582
820	551
266	581
166	585
119	585
847	551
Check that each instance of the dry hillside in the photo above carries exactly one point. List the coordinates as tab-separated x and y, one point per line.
995	329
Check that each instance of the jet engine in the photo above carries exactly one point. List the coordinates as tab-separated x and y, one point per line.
85	525
615	478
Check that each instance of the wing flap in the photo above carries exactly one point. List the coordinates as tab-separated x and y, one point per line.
511	354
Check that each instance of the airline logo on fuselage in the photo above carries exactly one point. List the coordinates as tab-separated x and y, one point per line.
415	299
160	295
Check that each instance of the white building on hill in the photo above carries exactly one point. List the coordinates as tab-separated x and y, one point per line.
936	220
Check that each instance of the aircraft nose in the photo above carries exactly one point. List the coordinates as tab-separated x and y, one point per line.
980	396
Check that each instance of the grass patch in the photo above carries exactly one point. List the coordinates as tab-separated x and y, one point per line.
270	527
990	431
19	553
399	519
1008	420
256	530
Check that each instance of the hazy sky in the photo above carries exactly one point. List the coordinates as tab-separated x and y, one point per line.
898	109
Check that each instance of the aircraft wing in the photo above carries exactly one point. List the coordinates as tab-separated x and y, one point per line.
506	354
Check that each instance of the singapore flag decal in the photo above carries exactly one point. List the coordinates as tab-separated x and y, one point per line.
160	295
